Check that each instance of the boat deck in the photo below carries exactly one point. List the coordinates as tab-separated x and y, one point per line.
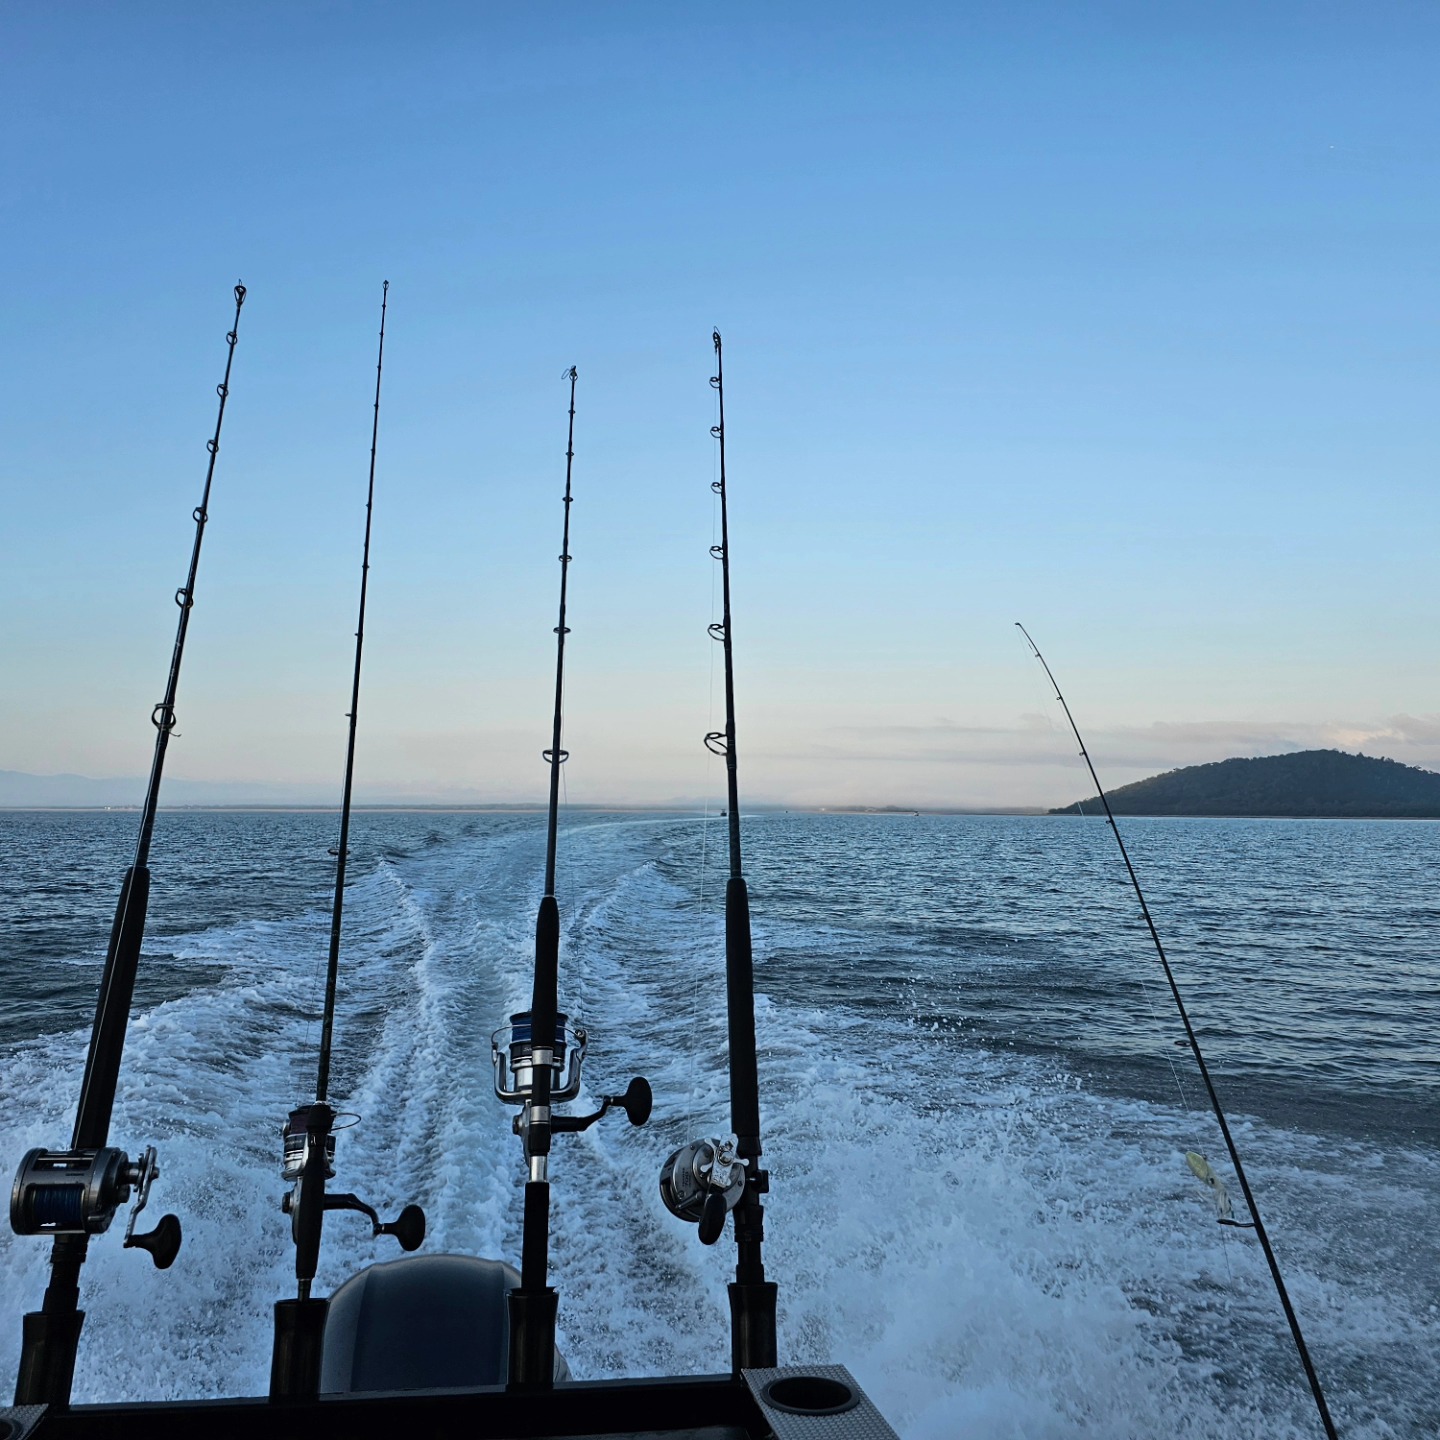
756	1407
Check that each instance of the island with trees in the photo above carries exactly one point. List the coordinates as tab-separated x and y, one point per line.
1318	784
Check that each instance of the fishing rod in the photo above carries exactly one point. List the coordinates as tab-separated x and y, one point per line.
74	1194
1190	1035
538	1056
703	1181
309	1138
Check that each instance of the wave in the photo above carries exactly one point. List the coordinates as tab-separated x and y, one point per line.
992	1242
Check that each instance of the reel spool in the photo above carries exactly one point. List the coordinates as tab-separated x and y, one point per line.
512	1048
297	1134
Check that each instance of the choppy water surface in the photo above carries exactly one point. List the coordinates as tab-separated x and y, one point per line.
975	1109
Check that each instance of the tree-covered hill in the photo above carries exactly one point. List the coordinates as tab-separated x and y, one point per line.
1317	783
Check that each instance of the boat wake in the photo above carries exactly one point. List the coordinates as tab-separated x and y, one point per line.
994	1245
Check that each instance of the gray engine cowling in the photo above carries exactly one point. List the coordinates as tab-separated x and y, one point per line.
426	1322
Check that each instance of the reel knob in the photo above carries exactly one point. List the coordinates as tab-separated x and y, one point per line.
637	1101
408	1228
162	1243
712	1217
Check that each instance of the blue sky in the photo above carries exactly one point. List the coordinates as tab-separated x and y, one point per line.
1122	320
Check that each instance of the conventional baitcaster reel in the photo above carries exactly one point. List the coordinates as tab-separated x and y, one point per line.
77	1192
702	1182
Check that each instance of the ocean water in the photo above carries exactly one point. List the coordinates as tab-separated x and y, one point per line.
974	1104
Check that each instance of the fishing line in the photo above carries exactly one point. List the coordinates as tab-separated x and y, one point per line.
1254	1209
572	890
1142	978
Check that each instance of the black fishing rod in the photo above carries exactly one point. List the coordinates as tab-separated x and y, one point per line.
533	1305
74	1194
703	1181
309	1138
538	1055
1190	1035
342	852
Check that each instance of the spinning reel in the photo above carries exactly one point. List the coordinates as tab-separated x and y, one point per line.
517	1058
308	1161
512	1048
77	1192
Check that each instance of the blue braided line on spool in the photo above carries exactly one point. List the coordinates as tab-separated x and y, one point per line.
61	1205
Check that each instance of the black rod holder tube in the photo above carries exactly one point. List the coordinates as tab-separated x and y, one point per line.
752	1297
533	1305
51	1336
299	1349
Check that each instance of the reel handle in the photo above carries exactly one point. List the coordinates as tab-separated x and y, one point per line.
408	1228
712	1217
162	1243
637	1102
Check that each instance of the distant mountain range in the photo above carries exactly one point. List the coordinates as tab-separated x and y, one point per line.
1322	784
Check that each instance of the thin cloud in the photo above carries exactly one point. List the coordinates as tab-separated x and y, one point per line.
1033	740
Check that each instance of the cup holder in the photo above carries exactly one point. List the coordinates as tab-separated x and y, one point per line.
810	1395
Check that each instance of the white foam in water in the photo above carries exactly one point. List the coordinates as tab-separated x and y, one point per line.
994	1249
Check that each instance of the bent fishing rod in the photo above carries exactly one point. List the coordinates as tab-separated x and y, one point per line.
309	1137
1190	1035
74	1194
538	1056
705	1180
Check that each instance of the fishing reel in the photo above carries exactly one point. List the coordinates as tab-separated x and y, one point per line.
702	1182
308	1161
512	1048
77	1192
513	1051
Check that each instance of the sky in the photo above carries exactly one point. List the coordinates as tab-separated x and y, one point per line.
1121	320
